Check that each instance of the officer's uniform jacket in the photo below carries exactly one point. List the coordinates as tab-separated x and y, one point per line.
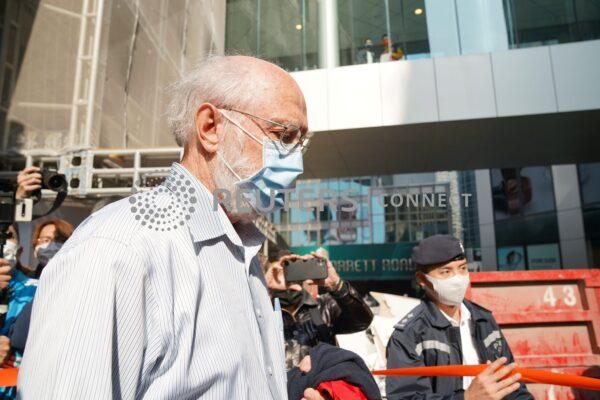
425	337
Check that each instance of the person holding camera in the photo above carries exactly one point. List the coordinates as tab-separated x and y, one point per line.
309	319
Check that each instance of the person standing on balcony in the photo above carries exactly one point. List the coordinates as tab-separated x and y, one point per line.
366	54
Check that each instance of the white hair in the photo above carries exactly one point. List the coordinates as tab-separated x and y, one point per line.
216	80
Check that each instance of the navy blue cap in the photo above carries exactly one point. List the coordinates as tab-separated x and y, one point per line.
437	249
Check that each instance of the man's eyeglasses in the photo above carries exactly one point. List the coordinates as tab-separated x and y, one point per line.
291	135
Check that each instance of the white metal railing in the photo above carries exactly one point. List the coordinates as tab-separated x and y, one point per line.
89	176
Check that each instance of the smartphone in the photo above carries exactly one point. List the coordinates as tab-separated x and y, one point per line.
301	270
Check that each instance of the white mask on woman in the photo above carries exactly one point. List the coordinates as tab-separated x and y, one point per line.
10	252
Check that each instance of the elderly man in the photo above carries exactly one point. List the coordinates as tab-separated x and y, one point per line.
161	295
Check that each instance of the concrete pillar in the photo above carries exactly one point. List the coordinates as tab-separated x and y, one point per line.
570	218
329	48
465	26
481	26
485	211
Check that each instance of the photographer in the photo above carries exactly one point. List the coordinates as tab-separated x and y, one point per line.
310	319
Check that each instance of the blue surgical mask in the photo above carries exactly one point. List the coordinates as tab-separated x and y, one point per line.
279	171
44	252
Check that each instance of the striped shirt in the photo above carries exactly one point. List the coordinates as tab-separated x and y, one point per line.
156	296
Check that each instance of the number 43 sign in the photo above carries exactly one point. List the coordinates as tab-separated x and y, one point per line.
557	296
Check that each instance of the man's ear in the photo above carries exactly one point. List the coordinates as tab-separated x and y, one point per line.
420	278
207	119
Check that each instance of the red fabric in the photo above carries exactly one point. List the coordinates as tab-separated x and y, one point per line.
341	390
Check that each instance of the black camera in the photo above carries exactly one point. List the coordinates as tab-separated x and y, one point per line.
54	181
51	180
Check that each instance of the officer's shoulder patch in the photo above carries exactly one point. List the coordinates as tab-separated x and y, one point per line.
410	317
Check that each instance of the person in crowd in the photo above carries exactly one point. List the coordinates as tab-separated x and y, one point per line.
445	329
386	55
21	290
397	53
309	319
161	295
366	55
48	238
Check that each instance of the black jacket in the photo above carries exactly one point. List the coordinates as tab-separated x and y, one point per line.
425	337
320	320
328	363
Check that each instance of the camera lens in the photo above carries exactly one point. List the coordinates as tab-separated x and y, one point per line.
54	181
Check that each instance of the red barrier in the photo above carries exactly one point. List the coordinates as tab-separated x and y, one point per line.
551	320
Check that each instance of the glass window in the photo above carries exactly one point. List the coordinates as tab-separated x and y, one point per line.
374	31
284	32
522	191
589	181
543	22
408	28
524	209
588	19
589	184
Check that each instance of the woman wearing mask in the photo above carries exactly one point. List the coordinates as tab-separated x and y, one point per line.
20	289
48	238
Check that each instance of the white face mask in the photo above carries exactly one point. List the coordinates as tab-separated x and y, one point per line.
451	291
10	253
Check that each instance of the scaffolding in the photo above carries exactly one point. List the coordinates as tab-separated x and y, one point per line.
89	100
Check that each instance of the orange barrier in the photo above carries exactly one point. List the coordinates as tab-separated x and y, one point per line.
8	377
527	375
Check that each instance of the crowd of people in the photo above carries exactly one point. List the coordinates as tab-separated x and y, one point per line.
146	301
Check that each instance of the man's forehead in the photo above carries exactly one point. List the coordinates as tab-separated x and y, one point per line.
287	112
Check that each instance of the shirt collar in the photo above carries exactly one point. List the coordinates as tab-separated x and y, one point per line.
204	221
465	315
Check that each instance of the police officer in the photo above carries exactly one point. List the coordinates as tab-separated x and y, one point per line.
445	329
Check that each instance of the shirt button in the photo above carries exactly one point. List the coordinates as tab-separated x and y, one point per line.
258	313
269	371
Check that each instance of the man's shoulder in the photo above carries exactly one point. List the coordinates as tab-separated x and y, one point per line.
130	219
114	220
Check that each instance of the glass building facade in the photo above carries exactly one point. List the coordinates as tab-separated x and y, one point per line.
310	34
589	183
526	225
401	208
521	219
